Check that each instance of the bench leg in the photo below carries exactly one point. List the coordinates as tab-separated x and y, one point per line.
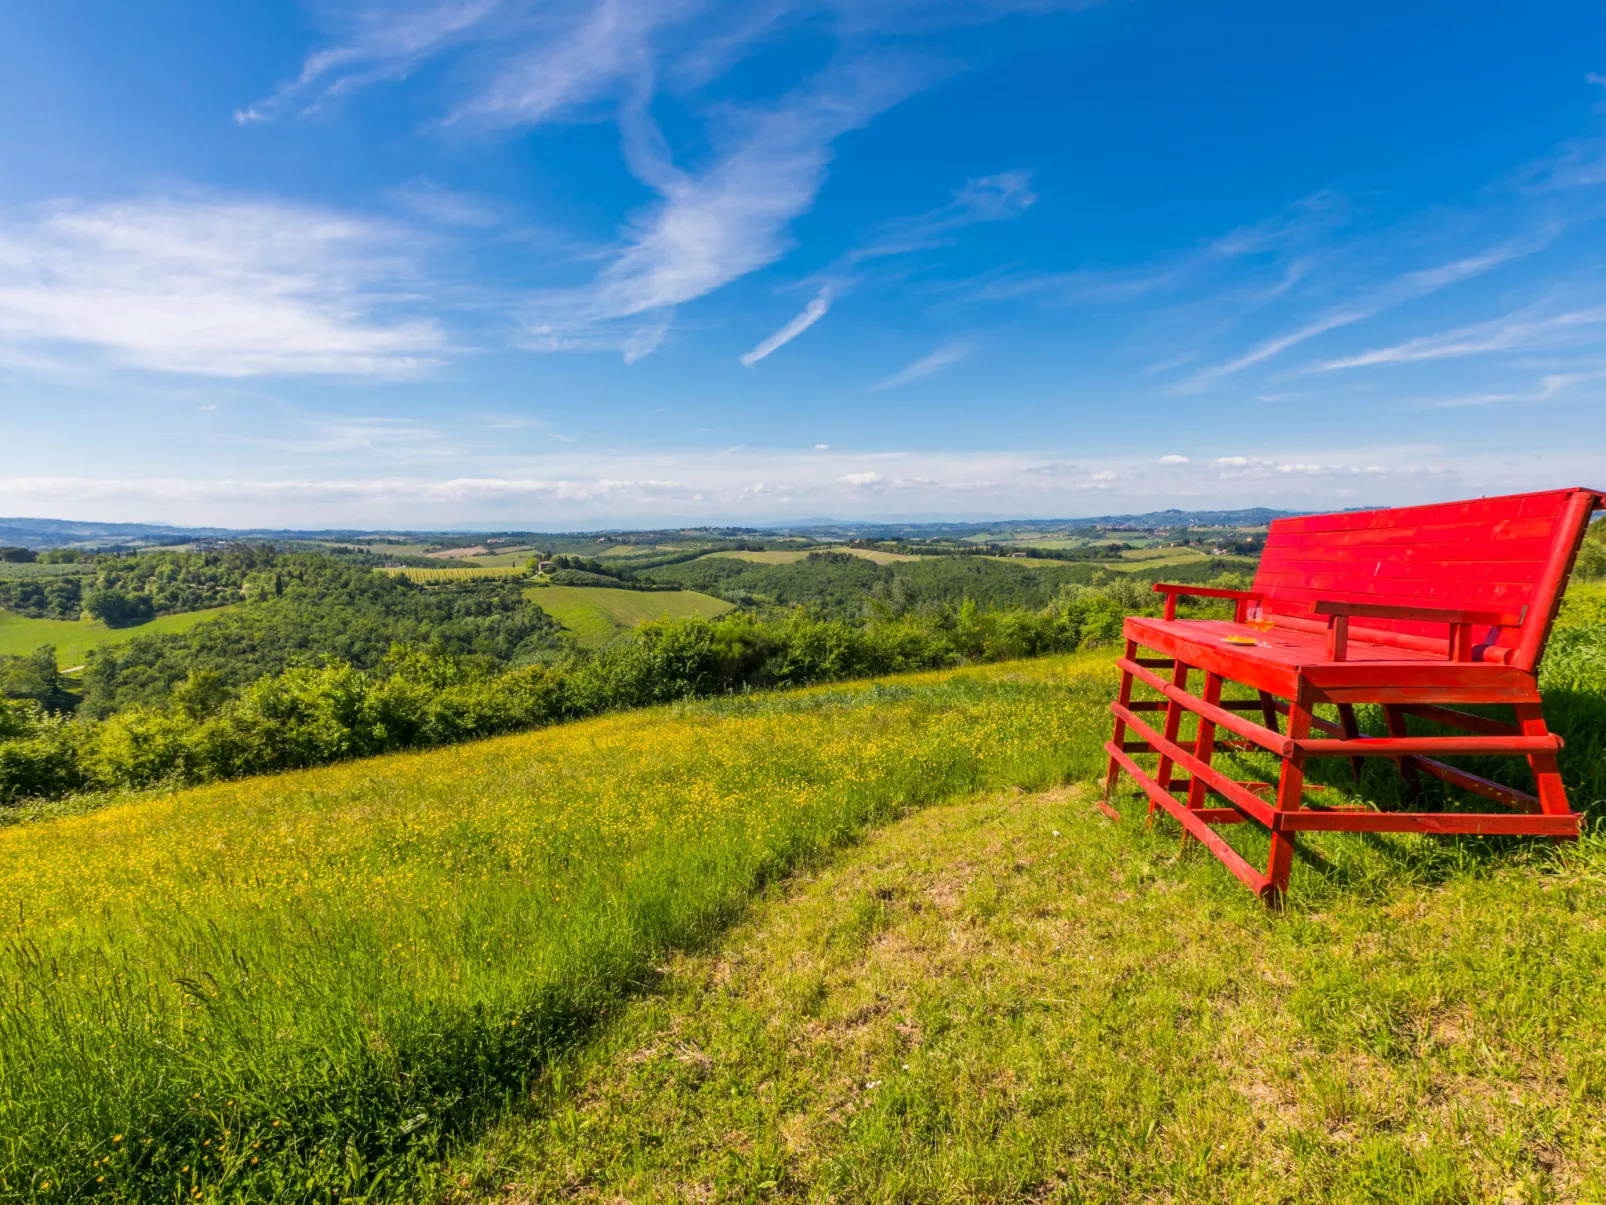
1268	710
1547	773
1290	789
1173	725
1412	776
1113	773
1204	745
1352	731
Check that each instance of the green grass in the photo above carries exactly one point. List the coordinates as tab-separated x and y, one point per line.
314	985
596	615
503	559
511	963
1144	560
1015	1000
74	638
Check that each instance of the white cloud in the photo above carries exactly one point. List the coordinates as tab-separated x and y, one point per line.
732	218
1173	459
1407	287
575	488
525	62
446	206
1526	330
812	313
1548	388
219	287
926	366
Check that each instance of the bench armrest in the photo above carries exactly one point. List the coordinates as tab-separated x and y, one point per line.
1459	620
1171	590
1453	615
1203	591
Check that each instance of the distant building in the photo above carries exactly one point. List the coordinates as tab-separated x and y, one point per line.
544	567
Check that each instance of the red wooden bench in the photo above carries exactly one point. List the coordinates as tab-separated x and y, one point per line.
1417	608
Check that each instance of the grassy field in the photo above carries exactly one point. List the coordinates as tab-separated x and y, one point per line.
506	969
1015	1000
1142	560
598	614
502	558
309	986
74	638
459	572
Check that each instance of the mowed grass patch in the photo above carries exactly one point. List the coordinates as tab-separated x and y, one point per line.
310	986
74	638
1014	999
597	614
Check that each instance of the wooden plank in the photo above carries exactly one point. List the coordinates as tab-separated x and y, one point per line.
1226	854
1223	786
1468	781
1445	746
1488	824
1508	506
1464	720
1270	741
1277	679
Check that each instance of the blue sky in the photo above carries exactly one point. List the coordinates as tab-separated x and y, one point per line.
539	265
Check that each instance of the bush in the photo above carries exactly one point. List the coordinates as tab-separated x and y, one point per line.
116	609
312	714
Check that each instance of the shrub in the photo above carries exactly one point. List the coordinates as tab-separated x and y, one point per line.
308	715
117	609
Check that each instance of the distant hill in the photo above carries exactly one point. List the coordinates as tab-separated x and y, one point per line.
56	533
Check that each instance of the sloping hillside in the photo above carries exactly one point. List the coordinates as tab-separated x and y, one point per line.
1013	999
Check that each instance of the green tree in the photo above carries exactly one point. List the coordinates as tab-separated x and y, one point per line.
116	609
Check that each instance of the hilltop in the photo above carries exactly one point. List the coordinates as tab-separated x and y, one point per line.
57	533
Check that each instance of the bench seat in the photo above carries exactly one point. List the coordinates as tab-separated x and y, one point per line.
1293	665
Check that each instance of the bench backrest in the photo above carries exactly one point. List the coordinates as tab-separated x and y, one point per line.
1509	554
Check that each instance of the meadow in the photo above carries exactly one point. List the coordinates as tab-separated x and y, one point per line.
73	638
596	615
511	962
308	986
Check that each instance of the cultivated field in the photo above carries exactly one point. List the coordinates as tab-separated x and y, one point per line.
459	572
74	638
597	614
791	557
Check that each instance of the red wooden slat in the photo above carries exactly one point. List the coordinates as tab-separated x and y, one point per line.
1432	822
1230	858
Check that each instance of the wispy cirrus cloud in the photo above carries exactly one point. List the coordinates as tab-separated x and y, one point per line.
1548	388
940	360
996	198
525	63
214	286
1530	329
812	313
1407	287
